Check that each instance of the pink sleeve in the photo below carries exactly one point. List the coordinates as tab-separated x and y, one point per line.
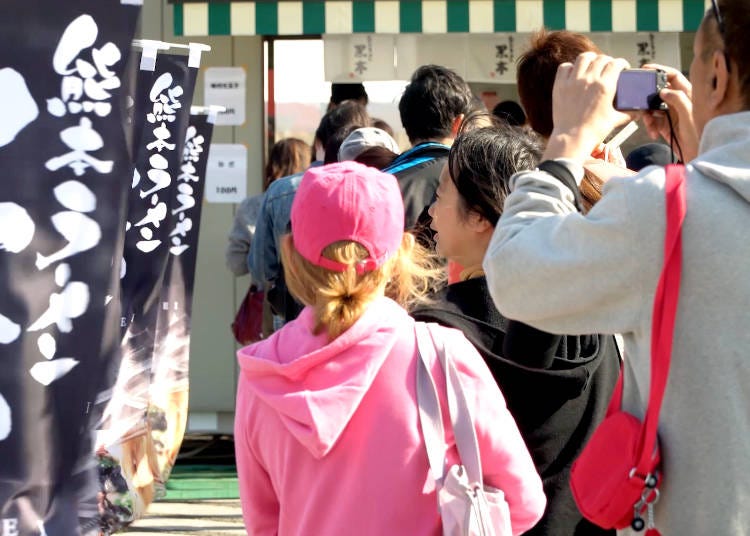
506	462
260	506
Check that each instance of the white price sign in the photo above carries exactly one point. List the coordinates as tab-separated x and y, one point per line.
225	86
226	173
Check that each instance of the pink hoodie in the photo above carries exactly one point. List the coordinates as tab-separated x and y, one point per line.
327	436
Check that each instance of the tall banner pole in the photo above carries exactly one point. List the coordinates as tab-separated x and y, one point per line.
65	169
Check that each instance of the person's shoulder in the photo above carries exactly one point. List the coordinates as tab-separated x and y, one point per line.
647	184
438	306
250	203
465	356
452	337
283	186
419	156
650	176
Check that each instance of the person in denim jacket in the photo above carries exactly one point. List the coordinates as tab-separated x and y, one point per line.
273	221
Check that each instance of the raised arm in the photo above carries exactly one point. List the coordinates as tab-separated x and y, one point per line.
558	270
563	272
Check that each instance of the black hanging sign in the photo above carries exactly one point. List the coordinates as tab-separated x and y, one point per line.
155	222
65	173
170	366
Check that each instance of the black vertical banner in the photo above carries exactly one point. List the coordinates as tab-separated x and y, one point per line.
129	467
169	96
140	79
169	379
65	173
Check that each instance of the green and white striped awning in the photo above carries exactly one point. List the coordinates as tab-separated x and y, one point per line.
312	17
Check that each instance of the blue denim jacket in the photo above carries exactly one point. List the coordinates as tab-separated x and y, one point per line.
264	259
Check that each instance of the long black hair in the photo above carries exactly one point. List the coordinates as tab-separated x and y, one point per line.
483	159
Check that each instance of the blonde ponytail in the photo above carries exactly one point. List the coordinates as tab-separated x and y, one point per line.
415	273
340	298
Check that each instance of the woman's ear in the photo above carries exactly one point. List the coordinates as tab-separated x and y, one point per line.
479	223
720	81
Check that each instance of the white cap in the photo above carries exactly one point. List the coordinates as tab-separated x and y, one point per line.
364	138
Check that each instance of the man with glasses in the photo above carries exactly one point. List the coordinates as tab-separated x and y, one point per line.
551	267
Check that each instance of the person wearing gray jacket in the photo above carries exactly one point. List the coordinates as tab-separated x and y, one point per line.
564	272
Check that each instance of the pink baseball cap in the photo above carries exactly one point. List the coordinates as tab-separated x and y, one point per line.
347	201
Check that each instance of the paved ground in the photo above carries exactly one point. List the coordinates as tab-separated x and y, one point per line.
211	517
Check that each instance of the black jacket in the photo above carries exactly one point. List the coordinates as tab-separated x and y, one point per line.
556	387
418	173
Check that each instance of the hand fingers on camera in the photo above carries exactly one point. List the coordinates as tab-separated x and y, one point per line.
564	71
653	121
615	66
678	101
583	63
597	68
667	69
675	78
679	82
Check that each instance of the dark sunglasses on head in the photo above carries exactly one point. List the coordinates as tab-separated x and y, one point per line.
720	24
719	18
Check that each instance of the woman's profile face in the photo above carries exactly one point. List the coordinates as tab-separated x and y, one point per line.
453	236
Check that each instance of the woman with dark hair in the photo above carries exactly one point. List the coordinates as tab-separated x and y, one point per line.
287	157
556	387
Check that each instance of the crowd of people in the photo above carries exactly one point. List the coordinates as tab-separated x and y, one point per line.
533	250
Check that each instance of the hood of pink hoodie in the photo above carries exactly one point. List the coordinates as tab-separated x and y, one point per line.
315	386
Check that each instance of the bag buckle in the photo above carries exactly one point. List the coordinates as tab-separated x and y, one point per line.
649	497
650	480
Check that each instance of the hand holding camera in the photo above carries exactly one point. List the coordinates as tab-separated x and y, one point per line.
591	96
678	98
582	108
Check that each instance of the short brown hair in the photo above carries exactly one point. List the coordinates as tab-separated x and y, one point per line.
537	69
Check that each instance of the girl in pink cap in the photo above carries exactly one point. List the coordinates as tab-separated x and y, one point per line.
327	432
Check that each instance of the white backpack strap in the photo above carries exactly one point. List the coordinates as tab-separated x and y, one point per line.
463	424
430	417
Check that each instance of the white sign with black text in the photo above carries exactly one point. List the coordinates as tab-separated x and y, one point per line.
226	173
225	86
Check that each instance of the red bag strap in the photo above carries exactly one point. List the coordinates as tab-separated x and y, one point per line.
615	402
665	311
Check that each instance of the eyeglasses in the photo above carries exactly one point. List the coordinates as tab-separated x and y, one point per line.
719	18
722	29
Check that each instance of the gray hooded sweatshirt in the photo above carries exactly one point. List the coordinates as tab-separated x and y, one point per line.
564	272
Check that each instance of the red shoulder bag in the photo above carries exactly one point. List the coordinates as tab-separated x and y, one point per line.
615	480
247	327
